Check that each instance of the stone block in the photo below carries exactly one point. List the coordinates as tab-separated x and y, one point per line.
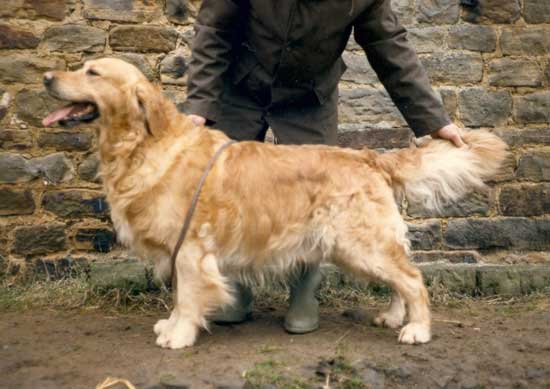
438	11
12	37
504	280
481	108
138	60
31	9
5	99
524	41
88	169
493	11
178	97
512	280
16	202
66	140
40	239
100	240
473	38
427	39
53	168
503	233
454	68
74	38
121	10
459	279
58	268
532	108
515	72
176	11
33	105
455	257
126	274
534	166
26	69
525	137
450	101
357	136
359	70
3	266
536	11
15	139
15	169
425	236
370	106
534	278
143	38
525	200
173	68
76	203
477	204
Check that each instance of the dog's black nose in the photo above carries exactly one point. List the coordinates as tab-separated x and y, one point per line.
48	79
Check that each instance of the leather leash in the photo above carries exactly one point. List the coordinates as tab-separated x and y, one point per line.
191	209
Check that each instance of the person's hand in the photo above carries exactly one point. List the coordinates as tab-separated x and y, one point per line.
450	132
196	119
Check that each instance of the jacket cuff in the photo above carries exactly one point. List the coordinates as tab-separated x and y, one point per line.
429	125
207	111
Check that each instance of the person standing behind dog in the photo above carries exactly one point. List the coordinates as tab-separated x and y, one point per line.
257	64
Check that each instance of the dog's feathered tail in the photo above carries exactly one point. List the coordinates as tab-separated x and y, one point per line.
437	172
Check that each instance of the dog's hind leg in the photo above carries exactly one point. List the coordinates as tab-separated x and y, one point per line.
200	290
388	262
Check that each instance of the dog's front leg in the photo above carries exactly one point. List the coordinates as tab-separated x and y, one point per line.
200	289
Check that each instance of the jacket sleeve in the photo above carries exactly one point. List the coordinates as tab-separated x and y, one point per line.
215	29
378	31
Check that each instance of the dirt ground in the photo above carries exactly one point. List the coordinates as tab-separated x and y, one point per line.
477	344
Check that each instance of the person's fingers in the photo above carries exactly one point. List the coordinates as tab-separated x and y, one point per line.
457	140
198	120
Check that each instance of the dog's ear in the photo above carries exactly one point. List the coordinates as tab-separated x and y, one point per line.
151	106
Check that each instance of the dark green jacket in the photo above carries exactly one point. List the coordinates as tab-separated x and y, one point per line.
299	44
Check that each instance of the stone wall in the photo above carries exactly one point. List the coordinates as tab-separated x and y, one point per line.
490	63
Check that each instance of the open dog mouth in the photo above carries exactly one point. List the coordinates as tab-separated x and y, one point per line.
72	114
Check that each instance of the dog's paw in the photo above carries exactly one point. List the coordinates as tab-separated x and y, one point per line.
161	326
182	334
415	333
387	319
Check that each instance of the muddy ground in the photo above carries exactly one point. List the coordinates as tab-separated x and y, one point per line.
477	344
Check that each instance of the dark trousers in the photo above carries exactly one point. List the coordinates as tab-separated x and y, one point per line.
248	110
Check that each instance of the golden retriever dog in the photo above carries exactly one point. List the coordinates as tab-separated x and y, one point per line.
263	207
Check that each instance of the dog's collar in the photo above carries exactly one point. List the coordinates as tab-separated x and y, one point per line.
192	206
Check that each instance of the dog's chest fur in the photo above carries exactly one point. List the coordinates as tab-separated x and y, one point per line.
142	205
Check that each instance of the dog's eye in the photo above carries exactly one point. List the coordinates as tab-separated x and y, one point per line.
92	72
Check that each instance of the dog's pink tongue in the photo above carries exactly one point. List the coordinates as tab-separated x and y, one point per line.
57	115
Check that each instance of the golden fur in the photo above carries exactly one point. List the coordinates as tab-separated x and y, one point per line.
263	207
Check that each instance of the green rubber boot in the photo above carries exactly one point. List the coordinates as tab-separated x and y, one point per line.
239	311
303	314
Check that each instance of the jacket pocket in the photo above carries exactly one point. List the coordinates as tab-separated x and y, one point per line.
326	82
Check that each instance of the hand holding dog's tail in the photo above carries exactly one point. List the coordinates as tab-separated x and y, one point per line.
438	171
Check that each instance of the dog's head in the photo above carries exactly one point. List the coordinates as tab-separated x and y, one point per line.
110	89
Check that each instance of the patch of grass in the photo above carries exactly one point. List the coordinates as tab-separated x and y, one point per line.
131	296
269	373
267	349
76	293
340	373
